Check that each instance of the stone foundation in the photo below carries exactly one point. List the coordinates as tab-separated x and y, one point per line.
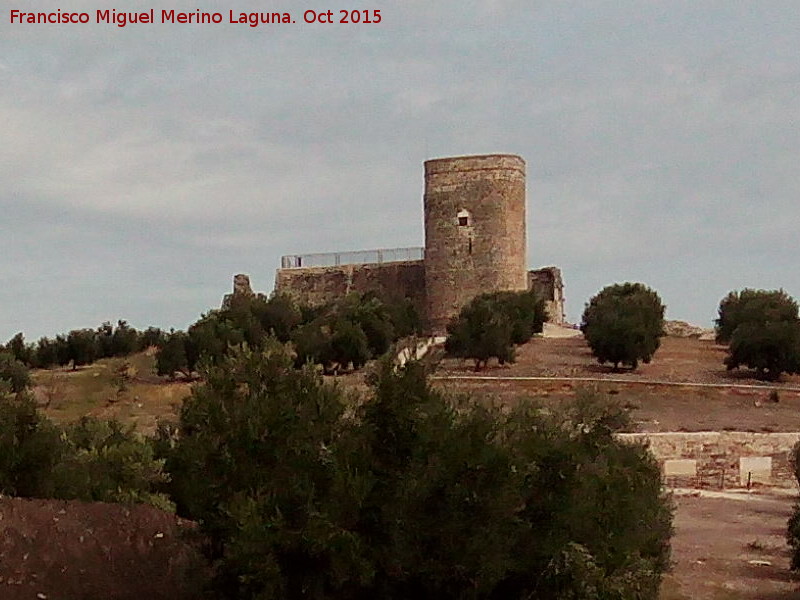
721	460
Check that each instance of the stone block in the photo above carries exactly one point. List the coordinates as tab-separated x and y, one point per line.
680	467
759	469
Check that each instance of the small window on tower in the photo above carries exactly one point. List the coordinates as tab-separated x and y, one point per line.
463	218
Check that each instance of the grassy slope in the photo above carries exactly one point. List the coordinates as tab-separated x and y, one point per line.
66	395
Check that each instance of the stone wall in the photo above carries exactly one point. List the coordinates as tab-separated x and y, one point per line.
547	283
319	285
722	460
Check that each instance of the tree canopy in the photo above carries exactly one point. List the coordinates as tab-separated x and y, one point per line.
762	330
623	324
490	325
412	494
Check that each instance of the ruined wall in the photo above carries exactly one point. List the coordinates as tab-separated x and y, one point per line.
319	285
547	283
474	231
722	459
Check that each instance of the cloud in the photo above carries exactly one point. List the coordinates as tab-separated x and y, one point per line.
144	166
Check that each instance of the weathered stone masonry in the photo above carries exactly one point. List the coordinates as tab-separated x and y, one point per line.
319	285
474	231
722	460
475	242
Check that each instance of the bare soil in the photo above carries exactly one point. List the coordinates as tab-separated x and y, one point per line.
731	549
57	550
679	360
653	406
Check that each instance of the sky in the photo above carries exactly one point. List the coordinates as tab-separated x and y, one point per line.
142	167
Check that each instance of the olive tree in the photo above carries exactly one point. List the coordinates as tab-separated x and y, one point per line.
490	325
307	494
762	330
623	324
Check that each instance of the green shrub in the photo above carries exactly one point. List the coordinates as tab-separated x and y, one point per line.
91	460
411	495
14	375
81	347
108	462
623	324
481	332
762	330
526	311
770	349
752	306
30	448
253	463
172	357
491	324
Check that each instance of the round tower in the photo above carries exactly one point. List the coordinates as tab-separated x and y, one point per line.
474	231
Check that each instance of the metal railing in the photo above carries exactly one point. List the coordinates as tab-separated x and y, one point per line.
358	257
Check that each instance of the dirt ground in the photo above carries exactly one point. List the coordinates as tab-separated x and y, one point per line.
56	550
677	360
717	538
653	407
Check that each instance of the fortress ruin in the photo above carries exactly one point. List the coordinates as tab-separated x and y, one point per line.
475	242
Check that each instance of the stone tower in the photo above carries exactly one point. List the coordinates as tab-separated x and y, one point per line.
474	231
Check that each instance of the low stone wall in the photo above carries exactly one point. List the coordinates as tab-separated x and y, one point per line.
320	285
720	460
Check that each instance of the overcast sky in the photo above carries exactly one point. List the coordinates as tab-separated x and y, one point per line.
142	167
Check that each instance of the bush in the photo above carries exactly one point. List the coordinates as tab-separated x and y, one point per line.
771	349
124	340
526	311
762	330
411	495
14	375
623	324
491	324
172	355
373	317
108	462
254	464
277	316
46	354
19	349
481	332
92	460
30	448
152	336
81	347
752	306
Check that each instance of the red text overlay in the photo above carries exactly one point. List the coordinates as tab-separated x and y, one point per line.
121	18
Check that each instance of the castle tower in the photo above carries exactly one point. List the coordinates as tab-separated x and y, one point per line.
474	231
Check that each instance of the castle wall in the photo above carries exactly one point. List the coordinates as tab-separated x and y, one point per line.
474	231
722	459
547	283
320	285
